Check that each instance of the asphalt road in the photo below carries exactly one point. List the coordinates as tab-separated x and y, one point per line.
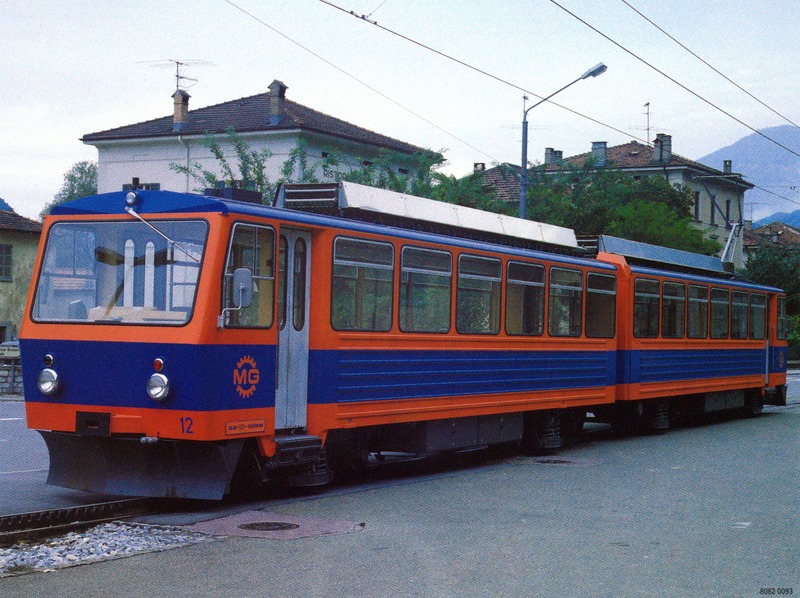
23	467
703	511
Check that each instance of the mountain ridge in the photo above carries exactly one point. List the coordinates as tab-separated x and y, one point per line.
774	171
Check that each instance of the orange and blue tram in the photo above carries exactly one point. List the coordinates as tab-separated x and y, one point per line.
177	344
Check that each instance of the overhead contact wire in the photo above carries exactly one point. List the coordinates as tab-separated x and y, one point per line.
673	80
356	79
477	69
720	73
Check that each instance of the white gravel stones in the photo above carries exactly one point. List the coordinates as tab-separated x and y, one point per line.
101	543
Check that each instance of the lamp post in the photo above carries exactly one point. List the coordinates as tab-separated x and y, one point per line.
523	182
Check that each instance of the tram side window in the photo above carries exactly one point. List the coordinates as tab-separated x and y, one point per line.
758	316
720	310
566	297
425	290
478	295
698	312
646	297
673	310
363	281
252	247
525	299
739	310
783	320
601	305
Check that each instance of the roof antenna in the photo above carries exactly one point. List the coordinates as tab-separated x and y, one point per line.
181	65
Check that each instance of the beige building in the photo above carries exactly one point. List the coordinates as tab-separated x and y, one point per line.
19	240
718	194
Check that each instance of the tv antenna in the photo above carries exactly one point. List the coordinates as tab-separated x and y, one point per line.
646	128
180	65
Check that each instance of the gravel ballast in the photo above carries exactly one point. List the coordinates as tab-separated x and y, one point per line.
101	543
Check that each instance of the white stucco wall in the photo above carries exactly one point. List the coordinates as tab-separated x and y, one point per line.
149	160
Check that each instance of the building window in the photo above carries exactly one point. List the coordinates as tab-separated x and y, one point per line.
141	187
697	205
5	262
728	210
714	208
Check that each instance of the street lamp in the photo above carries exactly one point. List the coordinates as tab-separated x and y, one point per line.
523	183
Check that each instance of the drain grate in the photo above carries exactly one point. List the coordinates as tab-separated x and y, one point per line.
268	526
564	462
276	526
555	461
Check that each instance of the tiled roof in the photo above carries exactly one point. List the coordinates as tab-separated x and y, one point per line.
252	114
637	156
776	233
13	221
503	180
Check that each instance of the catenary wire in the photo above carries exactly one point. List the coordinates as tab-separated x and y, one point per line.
705	62
673	80
479	70
356	79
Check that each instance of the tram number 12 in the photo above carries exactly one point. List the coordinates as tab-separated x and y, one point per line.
186	425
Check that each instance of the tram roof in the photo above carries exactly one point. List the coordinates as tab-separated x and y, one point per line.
351	198
646	254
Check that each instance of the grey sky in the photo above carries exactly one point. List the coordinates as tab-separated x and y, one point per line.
74	68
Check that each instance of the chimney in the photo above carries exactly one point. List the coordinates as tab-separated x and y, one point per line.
277	95
479	167
552	156
600	152
662	149
180	114
727	166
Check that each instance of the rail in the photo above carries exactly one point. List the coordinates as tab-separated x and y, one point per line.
48	523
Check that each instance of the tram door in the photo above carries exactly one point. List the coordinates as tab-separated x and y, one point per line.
294	280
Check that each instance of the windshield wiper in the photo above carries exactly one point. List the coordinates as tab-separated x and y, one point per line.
133	213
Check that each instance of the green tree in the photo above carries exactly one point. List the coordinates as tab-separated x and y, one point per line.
596	201
390	170
468	191
249	172
777	266
79	181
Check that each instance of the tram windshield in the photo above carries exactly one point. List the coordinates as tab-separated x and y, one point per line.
120	272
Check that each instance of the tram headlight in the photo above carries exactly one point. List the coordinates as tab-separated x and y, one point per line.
158	387
48	382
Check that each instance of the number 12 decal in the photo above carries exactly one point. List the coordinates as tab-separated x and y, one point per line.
186	425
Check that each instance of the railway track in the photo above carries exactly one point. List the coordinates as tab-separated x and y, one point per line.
48	523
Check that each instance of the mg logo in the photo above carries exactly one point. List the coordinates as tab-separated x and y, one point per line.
246	376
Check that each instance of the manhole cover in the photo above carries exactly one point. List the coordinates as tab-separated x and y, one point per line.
268	526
